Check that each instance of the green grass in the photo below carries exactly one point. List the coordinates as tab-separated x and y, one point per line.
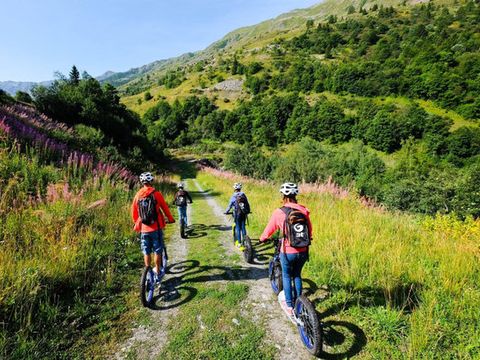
403	286
212	325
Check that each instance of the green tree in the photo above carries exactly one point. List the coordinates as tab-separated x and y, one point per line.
23	97
147	96
74	75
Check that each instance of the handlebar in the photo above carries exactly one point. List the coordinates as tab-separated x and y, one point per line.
231	213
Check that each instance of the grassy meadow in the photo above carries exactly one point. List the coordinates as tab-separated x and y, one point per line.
399	286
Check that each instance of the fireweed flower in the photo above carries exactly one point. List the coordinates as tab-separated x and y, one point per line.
25	124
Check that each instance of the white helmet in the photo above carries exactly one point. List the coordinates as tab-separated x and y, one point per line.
180	185
288	189
237	186
146	177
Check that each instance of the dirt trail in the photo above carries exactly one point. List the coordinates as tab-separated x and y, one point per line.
147	341
261	305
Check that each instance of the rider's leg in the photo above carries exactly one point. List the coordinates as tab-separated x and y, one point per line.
238	232
179	208
158	245
146	245
146	260
297	267
243	230
184	215
158	262
287	278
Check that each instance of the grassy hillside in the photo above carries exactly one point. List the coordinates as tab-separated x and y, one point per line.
251	38
201	71
409	285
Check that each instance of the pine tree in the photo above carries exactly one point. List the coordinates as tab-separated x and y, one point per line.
74	75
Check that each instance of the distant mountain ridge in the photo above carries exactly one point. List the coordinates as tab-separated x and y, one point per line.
12	87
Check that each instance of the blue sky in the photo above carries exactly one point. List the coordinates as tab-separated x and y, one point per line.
39	37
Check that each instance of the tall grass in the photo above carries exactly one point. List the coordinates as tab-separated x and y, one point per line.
65	239
411	284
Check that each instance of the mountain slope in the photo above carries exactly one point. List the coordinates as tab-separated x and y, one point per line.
287	24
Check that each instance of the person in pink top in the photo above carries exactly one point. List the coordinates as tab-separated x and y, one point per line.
297	235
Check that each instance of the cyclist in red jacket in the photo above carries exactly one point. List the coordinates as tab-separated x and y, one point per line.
148	210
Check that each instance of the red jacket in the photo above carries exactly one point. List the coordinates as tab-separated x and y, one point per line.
161	205
277	222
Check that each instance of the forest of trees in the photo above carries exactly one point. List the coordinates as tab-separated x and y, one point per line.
430	54
103	125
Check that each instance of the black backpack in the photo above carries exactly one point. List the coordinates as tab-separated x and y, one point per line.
242	208
147	209
180	198
296	227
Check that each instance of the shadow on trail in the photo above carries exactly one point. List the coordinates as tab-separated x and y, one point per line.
195	231
180	288
337	333
201	194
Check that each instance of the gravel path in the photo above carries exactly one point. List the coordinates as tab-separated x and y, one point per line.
261	305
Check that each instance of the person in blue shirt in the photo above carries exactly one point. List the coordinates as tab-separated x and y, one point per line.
241	208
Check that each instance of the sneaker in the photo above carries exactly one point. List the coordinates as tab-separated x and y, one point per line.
237	244
288	310
242	248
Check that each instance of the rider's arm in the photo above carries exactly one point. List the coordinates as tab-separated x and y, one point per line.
232	203
164	206
273	225
188	196
310	227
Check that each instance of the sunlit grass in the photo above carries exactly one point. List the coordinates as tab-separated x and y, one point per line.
410	283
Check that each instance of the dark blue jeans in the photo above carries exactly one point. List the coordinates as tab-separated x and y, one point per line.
292	265
182	214
240	229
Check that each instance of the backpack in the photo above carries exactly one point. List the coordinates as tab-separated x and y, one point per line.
296	227
242	208
147	209
180	198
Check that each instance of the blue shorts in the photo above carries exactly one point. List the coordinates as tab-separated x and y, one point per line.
152	242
